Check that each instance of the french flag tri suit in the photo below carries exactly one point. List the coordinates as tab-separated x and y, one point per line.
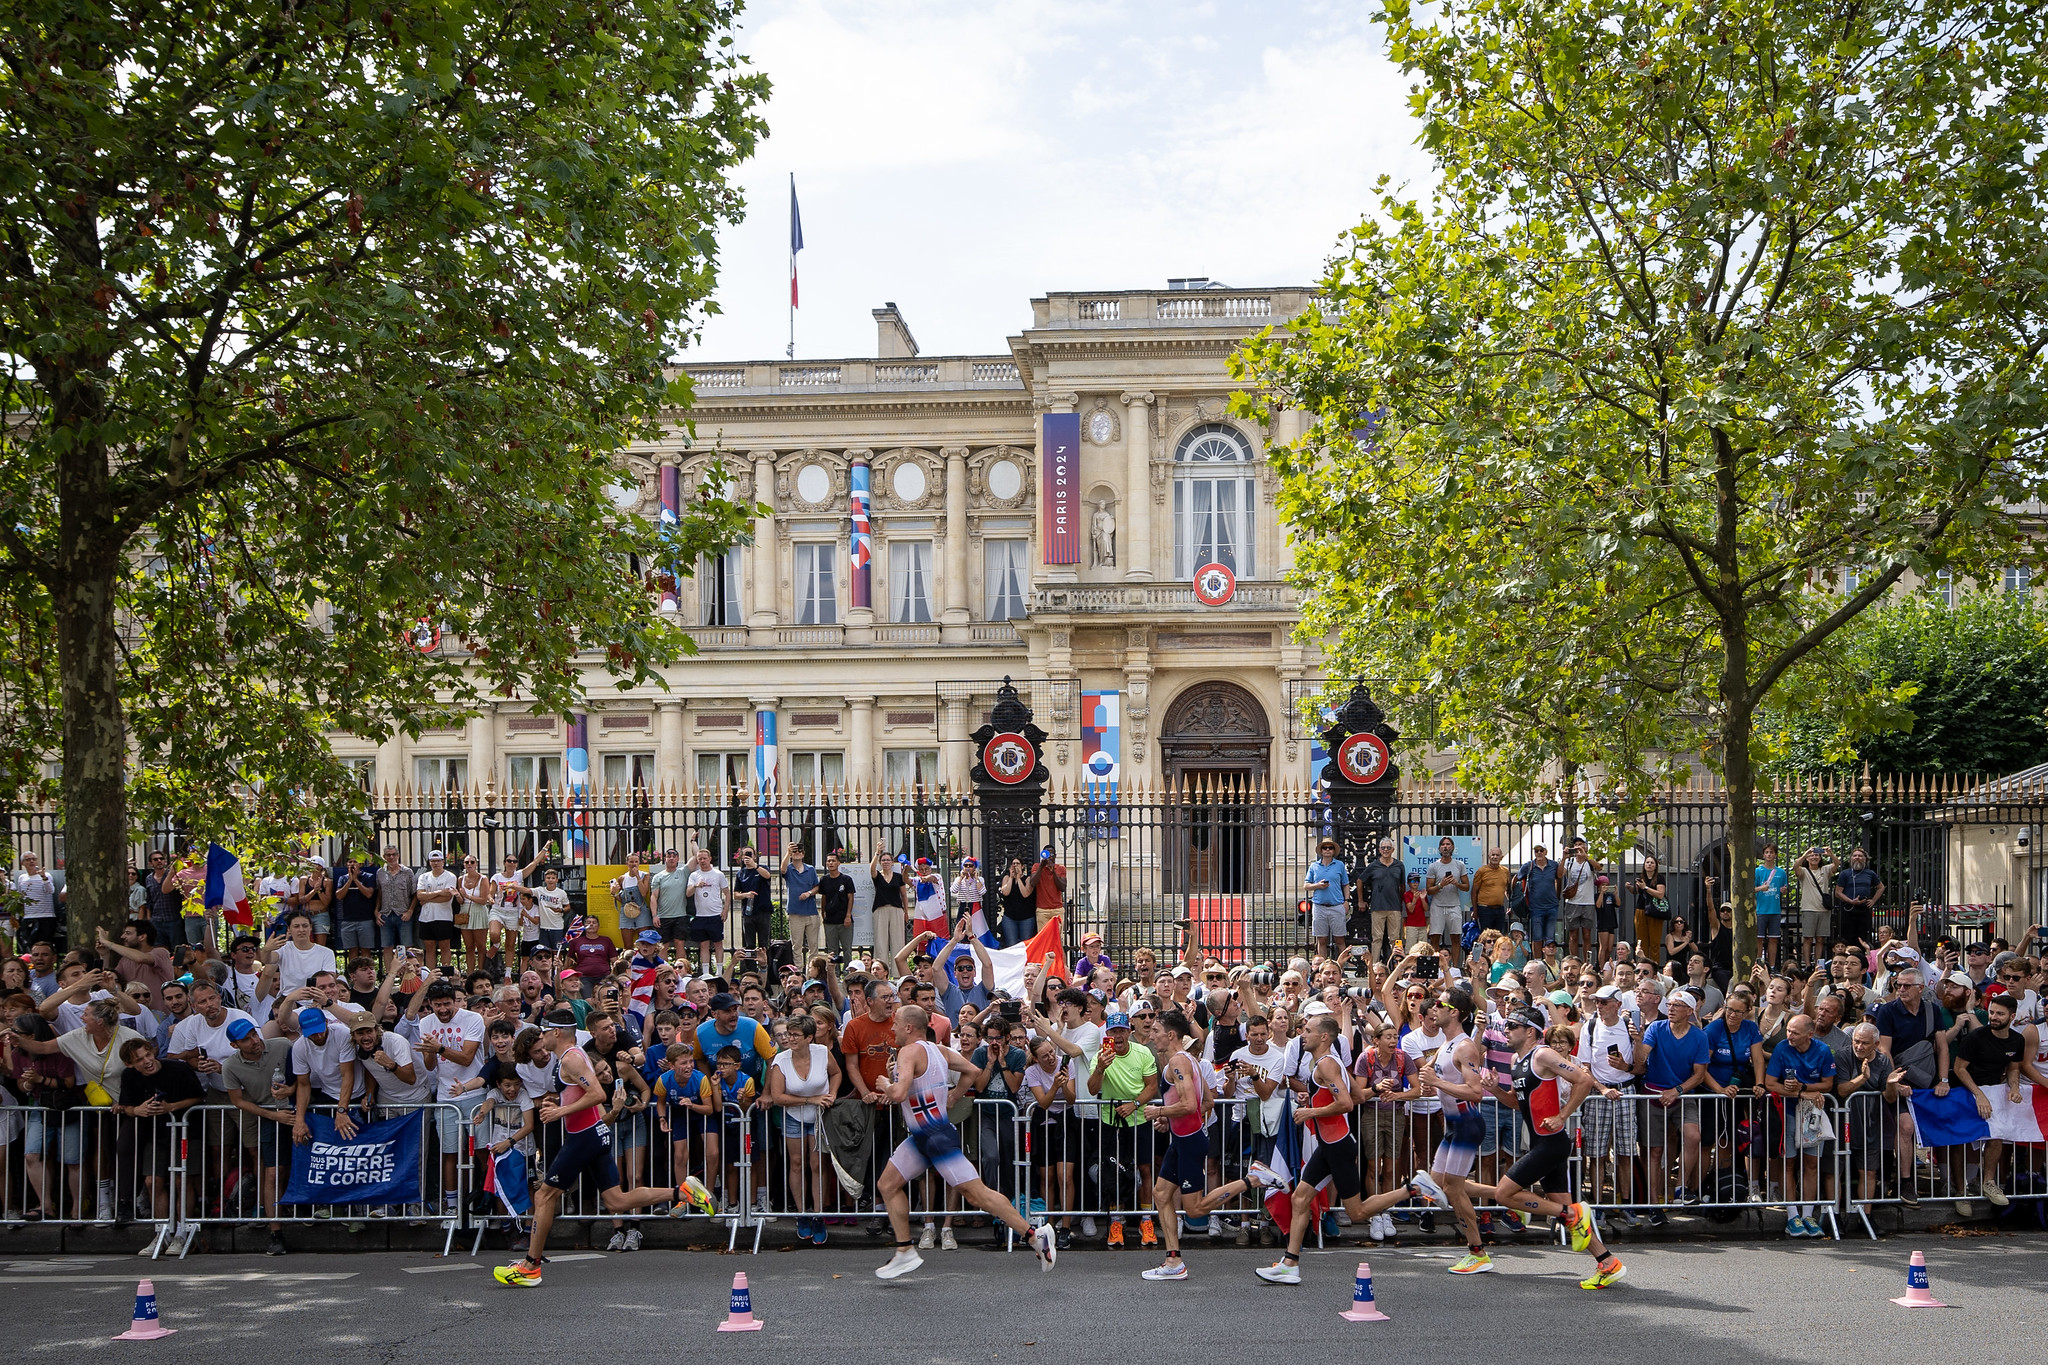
934	1143
586	1140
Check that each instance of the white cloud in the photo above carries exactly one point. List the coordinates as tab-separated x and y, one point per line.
960	160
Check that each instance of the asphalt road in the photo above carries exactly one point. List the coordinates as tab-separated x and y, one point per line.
1687	1304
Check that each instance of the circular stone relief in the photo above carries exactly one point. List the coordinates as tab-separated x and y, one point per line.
1005	480
908	482
813	484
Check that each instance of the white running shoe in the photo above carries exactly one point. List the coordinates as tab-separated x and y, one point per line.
618	1241
632	1239
1425	1185
1045	1242
928	1239
1280	1273
902	1263
1376	1227
1088	1227
1171	1270
946	1242
1265	1177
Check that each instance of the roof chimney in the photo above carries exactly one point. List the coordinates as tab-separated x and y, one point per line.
893	340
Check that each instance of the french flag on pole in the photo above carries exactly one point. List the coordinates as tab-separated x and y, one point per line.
225	887
796	238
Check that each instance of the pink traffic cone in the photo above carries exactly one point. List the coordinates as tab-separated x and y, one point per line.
1363	1309
1917	1295
145	1327
740	1318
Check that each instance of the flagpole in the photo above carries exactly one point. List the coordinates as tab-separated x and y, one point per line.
791	353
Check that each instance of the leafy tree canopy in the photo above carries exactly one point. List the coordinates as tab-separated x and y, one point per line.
1708	302
321	319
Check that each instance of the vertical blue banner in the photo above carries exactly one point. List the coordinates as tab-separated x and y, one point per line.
576	762
1060	507
1101	759
767	834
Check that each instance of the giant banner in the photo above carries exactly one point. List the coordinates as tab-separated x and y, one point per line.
1101	759
1060	506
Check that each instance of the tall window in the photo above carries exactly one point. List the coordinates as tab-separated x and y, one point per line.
1213	502
726	828
533	772
725	770
364	770
718	589
812	768
910	580
817	592
2019	579
910	767
624	772
1852	579
1004	574
1945	587
441	774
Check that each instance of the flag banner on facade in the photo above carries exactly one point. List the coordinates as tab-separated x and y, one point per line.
1061	505
379	1165
671	522
225	886
767	833
1101	759
861	550
576	762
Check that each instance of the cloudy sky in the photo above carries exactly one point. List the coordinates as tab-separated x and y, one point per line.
961	157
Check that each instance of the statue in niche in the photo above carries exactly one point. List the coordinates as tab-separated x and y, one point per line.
1102	535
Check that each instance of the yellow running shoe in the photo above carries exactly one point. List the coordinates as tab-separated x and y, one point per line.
1473	1265
1579	1219
694	1195
1604	1274
521	1274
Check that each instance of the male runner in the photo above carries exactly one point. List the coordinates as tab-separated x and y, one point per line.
1458	1072
1177	1193
586	1144
1537	1072
1335	1158
934	1144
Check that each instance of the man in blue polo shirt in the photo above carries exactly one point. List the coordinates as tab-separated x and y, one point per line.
800	902
1673	1063
1800	1069
1858	889
1326	882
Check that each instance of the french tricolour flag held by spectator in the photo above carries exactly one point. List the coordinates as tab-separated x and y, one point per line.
225	887
506	1178
2026	1121
1289	1156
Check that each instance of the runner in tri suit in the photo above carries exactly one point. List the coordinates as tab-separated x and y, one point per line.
1335	1159
1177	1192
1458	1072
586	1145
919	1085
1539	1074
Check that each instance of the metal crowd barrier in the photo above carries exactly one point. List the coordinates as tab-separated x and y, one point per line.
87	1166
647	1156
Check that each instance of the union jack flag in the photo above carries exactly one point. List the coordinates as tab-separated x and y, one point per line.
862	549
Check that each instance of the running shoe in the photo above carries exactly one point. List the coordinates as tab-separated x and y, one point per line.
1265	1177
692	1194
902	1263
1063	1239
1425	1185
1657	1218
1088	1228
1604	1274
1045	1242
1470	1264
1279	1273
1794	1226
1148	1236
1376	1227
1578	1220
946	1241
618	1241
1993	1195
632	1239
1116	1232
817	1232
1331	1232
928	1239
1172	1270
276	1247
522	1274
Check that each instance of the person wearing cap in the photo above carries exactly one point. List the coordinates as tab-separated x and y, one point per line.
928	905
324	1063
1607	1048
725	1028
1539	1079
434	894
1672	1062
451	1044
1125	1075
1091	956
402	1082
1048	886
201	1039
1328	883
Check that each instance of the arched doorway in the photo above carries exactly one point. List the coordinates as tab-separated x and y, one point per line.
1215	750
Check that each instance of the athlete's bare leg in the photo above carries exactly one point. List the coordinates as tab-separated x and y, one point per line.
1304	1199
1458	1190
1510	1195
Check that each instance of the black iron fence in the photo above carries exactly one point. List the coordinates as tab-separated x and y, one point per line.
1230	856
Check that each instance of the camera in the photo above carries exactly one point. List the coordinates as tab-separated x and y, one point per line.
1356	992
1263	978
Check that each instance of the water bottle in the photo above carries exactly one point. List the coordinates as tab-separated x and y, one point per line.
277	1080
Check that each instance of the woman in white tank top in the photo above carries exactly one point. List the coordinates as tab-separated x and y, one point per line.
798	1091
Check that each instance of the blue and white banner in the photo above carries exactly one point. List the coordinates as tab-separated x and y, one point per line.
767	834
509	1182
379	1165
1101	759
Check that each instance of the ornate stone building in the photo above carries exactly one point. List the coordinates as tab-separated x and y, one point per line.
971	515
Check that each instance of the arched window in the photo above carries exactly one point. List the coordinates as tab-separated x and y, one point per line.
1212	502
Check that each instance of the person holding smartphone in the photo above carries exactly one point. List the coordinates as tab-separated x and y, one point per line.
1048	886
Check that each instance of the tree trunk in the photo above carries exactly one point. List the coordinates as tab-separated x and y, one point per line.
1741	817
83	599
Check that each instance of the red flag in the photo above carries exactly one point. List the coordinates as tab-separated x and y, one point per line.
1046	942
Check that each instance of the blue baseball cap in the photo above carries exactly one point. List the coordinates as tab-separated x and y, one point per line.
239	1029
1116	1019
648	936
312	1021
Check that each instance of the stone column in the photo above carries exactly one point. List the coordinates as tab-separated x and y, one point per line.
668	744
956	755
762	615
860	596
483	746
860	744
393	772
954	618
1136	553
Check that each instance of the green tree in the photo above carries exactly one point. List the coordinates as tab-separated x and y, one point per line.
1709	301
323	320
1960	689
